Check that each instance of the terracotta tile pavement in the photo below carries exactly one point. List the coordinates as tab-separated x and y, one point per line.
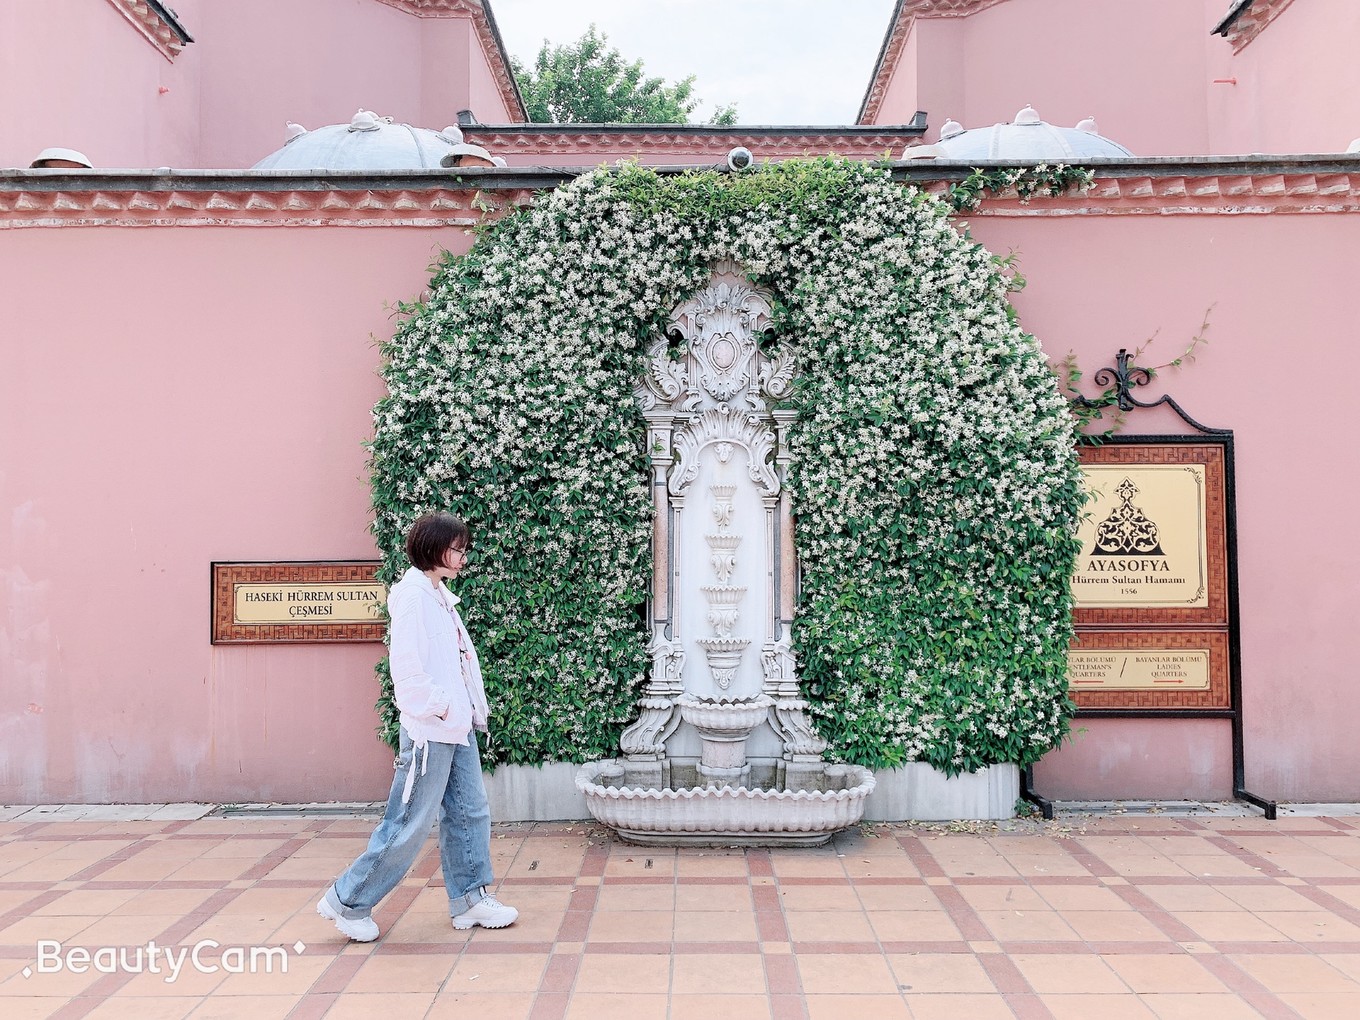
1100	917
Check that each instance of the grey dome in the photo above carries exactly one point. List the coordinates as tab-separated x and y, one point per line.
1027	139
368	142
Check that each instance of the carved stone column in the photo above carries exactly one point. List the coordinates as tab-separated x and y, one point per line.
644	741
789	715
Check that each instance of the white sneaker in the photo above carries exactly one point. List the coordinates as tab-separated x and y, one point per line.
489	912
360	929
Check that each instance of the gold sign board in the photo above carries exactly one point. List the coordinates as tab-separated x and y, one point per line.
1142	669
1143	542
1154	540
1150	589
1113	669
296	602
329	602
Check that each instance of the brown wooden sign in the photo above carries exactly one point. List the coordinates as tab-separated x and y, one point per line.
1151	587
262	603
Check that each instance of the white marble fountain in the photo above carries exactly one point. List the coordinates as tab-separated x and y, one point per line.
723	750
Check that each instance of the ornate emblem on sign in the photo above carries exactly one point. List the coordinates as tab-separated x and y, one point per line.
1127	529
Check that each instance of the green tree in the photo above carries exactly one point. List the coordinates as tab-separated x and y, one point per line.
590	82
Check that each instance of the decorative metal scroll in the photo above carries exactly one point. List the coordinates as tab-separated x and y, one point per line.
1124	378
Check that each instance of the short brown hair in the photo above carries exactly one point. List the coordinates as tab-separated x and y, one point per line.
431	537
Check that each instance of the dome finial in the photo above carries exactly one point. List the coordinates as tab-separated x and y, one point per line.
1089	124
1028	116
950	129
367	120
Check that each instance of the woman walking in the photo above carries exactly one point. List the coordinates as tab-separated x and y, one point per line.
438	686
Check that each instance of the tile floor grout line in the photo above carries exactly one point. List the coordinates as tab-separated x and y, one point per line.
1170	926
996	959
1250	857
320	1004
1248	989
1331	903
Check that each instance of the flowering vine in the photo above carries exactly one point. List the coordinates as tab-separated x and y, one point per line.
935	486
1025	182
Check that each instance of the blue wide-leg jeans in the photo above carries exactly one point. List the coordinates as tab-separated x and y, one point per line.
447	781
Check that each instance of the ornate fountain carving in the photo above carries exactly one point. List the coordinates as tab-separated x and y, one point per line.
722	426
727	754
724	558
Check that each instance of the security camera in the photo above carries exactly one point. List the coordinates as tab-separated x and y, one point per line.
740	158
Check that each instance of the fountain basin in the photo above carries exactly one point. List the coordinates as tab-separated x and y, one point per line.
726	816
724	719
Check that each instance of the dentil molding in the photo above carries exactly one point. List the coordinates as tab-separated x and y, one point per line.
151	21
48	198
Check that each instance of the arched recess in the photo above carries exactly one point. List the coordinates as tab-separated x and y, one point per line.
931	465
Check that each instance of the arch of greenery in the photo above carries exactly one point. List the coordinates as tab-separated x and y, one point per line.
935	486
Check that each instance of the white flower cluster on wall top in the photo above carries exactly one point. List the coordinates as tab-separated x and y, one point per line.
935	486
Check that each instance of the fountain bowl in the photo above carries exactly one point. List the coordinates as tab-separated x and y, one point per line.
724	718
726	816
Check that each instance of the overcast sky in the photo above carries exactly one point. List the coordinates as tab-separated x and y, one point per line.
779	61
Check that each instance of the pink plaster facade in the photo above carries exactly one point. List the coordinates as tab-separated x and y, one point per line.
212	406
1297	83
189	365
79	74
205	399
1278	331
1150	72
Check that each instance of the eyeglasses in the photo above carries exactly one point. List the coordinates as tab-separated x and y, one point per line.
463	552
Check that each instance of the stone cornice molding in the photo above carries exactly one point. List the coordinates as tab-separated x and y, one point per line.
435	8
699	140
484	23
155	24
164	200
1169	187
1244	24
895	39
1211	185
1180	196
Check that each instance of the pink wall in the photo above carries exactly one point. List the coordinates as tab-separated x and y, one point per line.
1298	83
1137	68
484	94
1271	372
901	96
204	397
265	63
1146	71
1143	759
75	73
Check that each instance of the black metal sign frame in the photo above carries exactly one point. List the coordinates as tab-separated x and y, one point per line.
1123	380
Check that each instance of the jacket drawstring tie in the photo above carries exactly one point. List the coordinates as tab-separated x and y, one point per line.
411	774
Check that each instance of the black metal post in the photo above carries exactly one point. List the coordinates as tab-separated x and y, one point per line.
1044	805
